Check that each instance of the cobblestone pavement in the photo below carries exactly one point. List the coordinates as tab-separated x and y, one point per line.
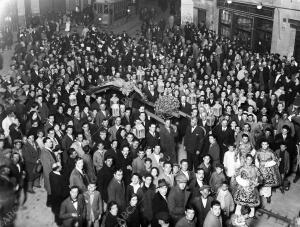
35	213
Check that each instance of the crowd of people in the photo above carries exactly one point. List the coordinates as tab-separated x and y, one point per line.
240	129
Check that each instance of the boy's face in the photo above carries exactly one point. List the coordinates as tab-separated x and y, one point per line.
206	159
91	187
219	170
224	187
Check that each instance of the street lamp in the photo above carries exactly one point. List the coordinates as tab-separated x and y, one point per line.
259	6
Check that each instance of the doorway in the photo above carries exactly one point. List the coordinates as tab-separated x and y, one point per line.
201	17
297	45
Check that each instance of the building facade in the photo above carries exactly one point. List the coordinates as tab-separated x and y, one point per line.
274	28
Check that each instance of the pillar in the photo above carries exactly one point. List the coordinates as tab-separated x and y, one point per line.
21	13
35	7
187	8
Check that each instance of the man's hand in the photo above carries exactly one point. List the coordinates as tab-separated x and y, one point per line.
74	215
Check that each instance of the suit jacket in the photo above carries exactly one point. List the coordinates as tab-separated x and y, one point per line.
150	97
79	180
291	145
151	140
187	108
30	156
224	138
116	192
59	189
201	211
167	142
67	208
66	143
193	141
159	205
175	205
47	160
100	117
96	206
212	221
125	121
104	177
194	187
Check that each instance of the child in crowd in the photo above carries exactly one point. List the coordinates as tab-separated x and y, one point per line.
225	198
217	178
231	161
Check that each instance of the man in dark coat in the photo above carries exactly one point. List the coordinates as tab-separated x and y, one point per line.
70	163
116	190
31	155
73	209
159	203
59	190
124	162
104	176
167	141
186	108
66	142
224	137
193	143
178	198
202	204
152	137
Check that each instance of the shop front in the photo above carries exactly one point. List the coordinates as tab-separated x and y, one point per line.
108	11
250	26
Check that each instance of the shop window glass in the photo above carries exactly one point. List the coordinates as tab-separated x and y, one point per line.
244	23
264	25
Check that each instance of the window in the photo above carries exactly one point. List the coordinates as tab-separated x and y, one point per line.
244	23
105	11
226	17
264	25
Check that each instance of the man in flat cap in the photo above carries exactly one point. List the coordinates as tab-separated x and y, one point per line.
202	204
178	198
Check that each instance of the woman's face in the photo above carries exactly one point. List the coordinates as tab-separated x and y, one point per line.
154	172
56	127
133	201
114	210
135	179
249	161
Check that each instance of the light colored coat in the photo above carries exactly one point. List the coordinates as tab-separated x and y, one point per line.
212	221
